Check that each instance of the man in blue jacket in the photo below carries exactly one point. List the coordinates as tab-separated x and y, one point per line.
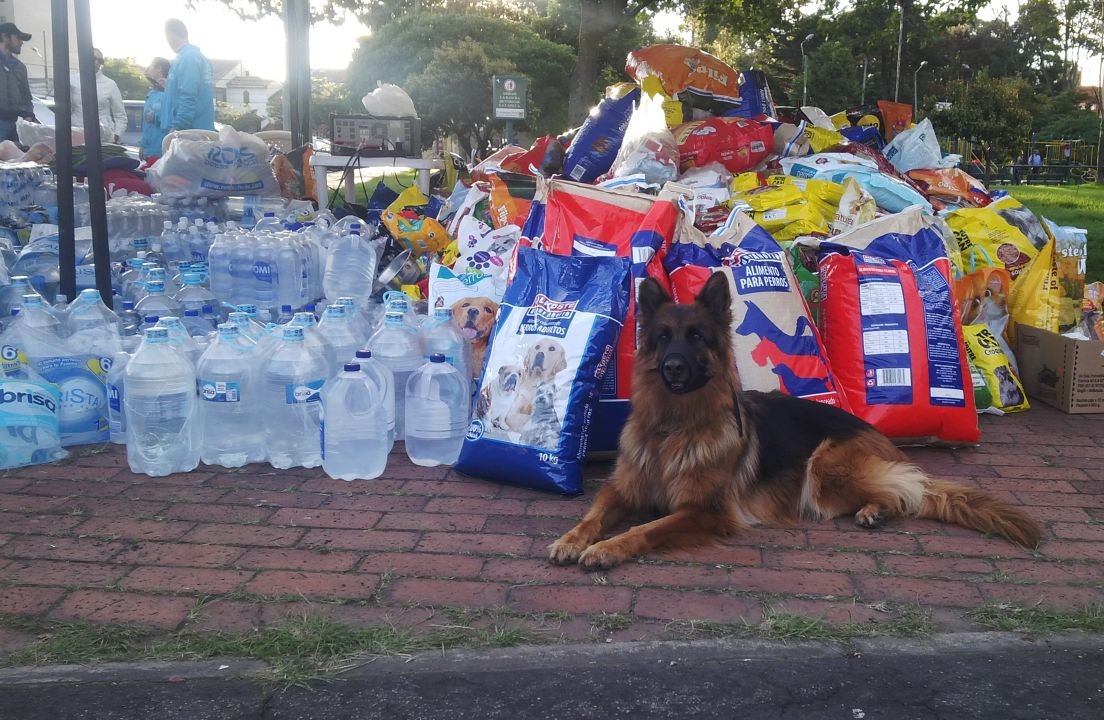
189	100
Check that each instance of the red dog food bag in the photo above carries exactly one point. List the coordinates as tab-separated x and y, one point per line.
737	144
892	329
777	345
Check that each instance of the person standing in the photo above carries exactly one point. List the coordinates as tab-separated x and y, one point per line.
153	135
110	108
189	101
15	89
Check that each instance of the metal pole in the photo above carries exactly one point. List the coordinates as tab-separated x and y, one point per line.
863	101
63	130
45	63
297	89
97	202
805	69
900	46
916	90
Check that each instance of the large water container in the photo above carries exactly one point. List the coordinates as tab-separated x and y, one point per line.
437	404
380	375
116	391
180	338
193	296
398	347
160	406
337	327
268	223
241	269
350	267
229	402
92	327
291	380
440	335
315	341
156	302
354	427
220	275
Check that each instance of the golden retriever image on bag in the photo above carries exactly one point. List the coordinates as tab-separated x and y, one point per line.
710	461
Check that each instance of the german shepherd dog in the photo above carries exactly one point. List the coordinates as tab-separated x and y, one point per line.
710	461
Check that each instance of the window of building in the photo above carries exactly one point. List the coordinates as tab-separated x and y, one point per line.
245	97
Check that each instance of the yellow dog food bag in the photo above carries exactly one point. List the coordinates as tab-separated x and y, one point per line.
1005	243
989	361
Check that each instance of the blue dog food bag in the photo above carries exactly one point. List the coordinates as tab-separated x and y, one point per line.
553	343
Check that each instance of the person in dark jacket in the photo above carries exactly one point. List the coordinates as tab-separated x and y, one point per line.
15	90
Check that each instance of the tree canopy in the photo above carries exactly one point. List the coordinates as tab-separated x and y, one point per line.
130	78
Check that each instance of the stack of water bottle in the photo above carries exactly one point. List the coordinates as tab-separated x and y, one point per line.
270	373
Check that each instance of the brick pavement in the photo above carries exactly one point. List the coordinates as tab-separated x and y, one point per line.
233	550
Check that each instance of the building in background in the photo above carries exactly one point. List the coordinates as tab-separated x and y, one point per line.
235	86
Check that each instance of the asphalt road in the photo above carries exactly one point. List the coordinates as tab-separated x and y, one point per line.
975	677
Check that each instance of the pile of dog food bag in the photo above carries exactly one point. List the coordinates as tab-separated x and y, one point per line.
867	269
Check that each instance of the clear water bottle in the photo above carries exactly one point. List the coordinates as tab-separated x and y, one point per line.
265	278
350	267
241	270
130	321
286	313
315	341
170	245
156	302
360	321
220	275
92	326
353	431
160	407
147	322
228	402
399	348
193	296
245	324
209	316
179	338
11	297
337	327
441	335
436	413
61	307
269	222
384	380
290	289
196	325
291	380
37	314
116	391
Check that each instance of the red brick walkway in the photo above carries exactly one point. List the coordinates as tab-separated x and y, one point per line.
217	549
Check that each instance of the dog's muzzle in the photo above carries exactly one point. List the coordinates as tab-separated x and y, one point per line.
680	372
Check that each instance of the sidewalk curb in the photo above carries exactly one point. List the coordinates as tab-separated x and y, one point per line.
508	660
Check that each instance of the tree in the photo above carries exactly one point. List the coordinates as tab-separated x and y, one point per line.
993	114
130	78
327	98
409	47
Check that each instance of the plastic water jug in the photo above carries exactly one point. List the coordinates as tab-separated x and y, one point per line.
354	430
160	406
436	413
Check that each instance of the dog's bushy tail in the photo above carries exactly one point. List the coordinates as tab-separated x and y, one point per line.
978	510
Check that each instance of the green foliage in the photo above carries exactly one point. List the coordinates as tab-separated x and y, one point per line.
327	98
1080	206
993	112
433	56
247	121
1077	125
130	78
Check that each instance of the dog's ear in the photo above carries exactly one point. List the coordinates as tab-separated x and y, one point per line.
716	298
650	298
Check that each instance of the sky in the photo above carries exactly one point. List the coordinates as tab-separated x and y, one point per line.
133	28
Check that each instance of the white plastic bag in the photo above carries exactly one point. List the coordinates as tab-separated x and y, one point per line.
649	148
389	101
235	164
918	149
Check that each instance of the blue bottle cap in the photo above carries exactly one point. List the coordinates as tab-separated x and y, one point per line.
191	313
352	367
363	354
437	358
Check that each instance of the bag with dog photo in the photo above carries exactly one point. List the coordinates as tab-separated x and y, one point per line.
775	343
552	345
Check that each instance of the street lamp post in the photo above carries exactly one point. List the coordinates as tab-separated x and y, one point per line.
805	70
970	74
863	100
915	87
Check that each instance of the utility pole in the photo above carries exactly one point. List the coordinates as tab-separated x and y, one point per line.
904	5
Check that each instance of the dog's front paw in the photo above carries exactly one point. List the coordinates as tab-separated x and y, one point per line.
566	550
603	556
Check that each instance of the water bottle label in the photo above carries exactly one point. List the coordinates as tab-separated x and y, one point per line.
215	391
264	272
115	398
299	393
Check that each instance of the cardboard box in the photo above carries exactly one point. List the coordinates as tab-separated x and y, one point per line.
1060	371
